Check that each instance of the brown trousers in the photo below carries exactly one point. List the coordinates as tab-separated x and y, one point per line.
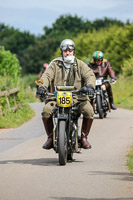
84	107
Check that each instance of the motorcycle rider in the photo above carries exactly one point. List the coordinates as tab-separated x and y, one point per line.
102	68
45	65
68	70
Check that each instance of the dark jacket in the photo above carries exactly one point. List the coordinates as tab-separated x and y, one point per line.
103	70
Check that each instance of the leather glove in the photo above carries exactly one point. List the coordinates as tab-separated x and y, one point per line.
87	89
41	91
112	80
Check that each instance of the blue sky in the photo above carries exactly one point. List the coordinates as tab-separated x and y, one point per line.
33	15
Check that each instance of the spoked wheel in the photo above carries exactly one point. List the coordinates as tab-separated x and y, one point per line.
99	107
62	143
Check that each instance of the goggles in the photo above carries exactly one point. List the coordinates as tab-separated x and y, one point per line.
98	59
71	47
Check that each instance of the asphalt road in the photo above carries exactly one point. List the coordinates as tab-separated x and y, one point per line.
29	172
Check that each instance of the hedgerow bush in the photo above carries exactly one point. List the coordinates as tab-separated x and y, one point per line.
10	72
9	64
127	67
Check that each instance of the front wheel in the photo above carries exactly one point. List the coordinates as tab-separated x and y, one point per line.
62	142
99	107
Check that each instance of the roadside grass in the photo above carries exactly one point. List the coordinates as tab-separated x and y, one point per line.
16	118
130	160
25	95
28	80
123	97
123	92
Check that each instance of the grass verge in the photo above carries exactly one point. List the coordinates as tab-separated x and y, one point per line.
123	97
123	92
130	160
15	119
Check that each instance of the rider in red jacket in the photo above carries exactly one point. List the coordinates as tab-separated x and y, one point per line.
102	68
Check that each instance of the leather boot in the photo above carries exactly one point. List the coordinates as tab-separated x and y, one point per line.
86	125
48	124
113	107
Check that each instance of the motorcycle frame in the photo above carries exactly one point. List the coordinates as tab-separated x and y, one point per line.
99	91
66	114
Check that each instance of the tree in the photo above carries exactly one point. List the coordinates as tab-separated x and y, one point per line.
10	70
105	23
9	64
33	51
115	42
15	41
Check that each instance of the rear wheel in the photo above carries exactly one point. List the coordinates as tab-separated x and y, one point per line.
62	143
99	107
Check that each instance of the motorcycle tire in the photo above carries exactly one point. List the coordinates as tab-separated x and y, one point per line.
62	142
99	107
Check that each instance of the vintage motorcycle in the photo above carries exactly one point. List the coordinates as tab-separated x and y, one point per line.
101	103
66	140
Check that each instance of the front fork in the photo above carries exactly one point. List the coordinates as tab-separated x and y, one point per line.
71	131
59	115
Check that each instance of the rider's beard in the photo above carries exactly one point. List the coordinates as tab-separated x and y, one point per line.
68	60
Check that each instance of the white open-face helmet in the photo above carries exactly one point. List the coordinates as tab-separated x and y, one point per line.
67	44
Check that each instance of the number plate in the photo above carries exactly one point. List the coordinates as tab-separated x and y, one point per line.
98	82
64	99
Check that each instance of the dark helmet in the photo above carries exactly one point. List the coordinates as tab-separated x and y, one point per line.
98	55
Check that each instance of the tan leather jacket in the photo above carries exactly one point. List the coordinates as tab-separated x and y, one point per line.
80	75
103	70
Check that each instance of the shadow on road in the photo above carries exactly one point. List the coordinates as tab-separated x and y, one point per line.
40	161
121	175
75	198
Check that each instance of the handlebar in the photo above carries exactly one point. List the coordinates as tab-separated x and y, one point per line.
106	80
52	95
